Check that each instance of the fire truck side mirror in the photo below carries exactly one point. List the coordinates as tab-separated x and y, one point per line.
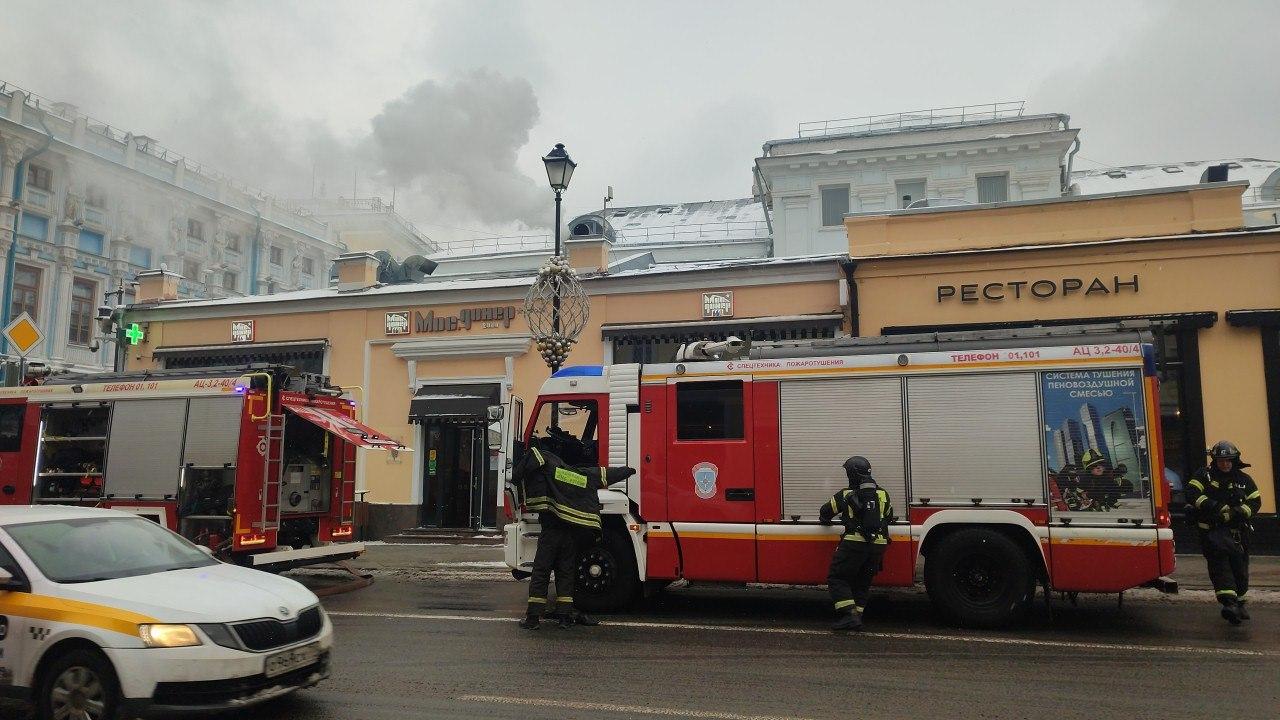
496	412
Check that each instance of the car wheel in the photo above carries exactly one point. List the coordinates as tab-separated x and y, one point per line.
978	578
78	685
607	577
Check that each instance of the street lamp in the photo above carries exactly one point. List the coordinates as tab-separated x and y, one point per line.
556	307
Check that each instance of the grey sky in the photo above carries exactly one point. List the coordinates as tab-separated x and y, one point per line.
666	101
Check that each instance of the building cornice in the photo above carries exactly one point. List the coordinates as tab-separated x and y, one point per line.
924	151
453	346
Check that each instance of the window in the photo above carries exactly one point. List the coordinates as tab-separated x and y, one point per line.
229	281
191	269
909	191
195	229
993	188
308	266
277	256
83	294
233	242
835	204
140	256
568	429
94	196
39	177
34	227
11	417
26	291
88	549
709	410
91	242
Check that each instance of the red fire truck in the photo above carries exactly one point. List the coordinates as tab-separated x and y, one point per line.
257	464
1013	457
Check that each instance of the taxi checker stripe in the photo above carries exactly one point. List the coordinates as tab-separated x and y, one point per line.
45	607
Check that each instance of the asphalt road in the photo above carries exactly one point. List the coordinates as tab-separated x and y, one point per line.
449	648
441	642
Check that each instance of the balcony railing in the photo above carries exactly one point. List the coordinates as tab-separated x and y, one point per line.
912	119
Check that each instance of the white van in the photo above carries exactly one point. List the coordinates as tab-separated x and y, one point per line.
103	612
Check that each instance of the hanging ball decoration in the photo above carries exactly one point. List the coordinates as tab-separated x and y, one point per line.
556	280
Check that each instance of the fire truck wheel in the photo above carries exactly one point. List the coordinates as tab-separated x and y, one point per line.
978	577
607	576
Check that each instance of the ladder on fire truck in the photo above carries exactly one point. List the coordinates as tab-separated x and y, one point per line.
272	467
347	498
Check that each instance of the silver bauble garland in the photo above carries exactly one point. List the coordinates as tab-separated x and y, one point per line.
556	279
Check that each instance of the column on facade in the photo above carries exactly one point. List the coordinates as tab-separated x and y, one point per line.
58	320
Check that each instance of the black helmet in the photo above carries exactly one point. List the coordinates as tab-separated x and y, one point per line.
1224	450
1091	458
857	468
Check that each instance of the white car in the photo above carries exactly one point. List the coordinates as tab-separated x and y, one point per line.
103	613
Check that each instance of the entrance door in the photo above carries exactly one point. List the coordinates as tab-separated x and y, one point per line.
454	476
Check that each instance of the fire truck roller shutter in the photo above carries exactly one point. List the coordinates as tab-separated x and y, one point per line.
975	436
213	431
145	450
826	421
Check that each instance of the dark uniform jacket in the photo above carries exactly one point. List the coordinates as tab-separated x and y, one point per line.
1220	499
569	493
865	512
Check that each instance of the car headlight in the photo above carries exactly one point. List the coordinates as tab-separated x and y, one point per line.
168	636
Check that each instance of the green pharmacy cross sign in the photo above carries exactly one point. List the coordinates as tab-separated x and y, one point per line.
135	334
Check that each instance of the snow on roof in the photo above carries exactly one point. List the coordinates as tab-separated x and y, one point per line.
710	221
1142	177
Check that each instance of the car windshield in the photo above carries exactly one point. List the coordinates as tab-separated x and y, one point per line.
91	549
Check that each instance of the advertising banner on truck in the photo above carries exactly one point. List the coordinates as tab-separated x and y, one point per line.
1096	441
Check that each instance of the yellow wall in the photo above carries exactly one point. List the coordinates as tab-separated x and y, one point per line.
1175	276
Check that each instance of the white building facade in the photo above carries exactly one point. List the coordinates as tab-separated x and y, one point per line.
975	154
95	206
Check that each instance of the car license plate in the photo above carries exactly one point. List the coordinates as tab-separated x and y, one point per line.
283	662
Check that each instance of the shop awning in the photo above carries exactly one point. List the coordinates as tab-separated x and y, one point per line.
306	355
344	427
775	328
453	403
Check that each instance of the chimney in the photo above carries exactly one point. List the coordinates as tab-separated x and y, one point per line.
357	270
157	286
589	243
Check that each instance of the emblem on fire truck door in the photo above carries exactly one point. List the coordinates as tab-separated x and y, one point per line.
704	480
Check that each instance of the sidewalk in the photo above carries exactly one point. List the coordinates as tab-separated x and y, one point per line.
1192	574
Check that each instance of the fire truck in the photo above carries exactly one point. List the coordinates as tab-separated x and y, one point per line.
257	464
1013	457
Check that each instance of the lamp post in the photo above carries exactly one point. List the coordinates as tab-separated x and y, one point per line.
559	171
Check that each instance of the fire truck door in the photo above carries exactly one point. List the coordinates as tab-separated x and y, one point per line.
19	430
711	478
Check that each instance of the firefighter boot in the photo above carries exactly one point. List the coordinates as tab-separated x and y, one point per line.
1232	613
582	618
531	621
1242	610
848	621
565	618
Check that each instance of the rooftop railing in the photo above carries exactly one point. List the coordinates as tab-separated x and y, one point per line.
743	230
912	119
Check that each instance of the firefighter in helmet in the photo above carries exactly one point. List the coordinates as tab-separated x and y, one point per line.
1223	500
568	508
1104	484
866	512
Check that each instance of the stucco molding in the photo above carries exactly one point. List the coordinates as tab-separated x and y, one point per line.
452	346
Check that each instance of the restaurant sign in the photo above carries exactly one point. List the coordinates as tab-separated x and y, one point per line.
1041	289
466	319
717	304
241	331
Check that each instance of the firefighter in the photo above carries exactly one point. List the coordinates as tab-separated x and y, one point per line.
865	510
1104	484
1223	500
568	508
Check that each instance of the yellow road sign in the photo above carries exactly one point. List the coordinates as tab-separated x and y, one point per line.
23	335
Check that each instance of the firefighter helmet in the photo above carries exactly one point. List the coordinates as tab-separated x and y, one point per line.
1225	450
857	467
1092	458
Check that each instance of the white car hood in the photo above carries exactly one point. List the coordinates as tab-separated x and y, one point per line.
214	594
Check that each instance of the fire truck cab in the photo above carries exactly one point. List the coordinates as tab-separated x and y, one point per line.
258	464
981	439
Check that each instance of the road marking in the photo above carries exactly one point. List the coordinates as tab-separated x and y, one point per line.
630	709
975	639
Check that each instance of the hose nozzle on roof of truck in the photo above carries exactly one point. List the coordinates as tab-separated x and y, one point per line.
731	347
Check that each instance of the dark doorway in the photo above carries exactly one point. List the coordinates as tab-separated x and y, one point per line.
459	481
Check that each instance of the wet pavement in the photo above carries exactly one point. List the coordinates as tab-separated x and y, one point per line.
435	637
